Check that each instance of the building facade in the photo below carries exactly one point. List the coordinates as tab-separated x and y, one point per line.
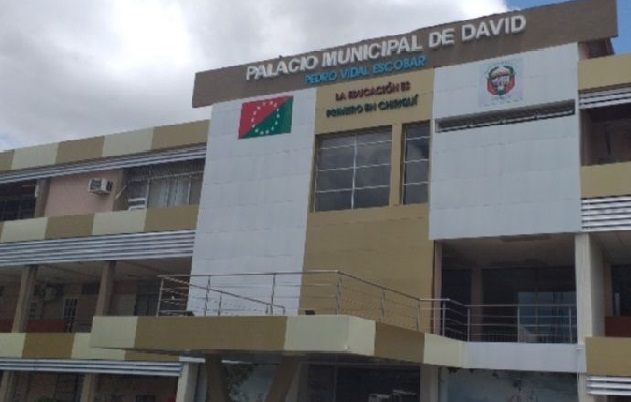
436	216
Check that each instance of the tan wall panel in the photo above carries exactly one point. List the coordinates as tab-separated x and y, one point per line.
6	160
80	150
172	218
150	357
39	155
131	142
228	333
60	227
606	180
180	135
24	230
119	222
388	246
12	345
604	72
421	82
48	346
608	356
398	343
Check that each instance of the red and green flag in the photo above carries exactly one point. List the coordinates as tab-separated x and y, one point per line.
266	117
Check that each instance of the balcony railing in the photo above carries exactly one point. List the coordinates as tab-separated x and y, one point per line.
338	293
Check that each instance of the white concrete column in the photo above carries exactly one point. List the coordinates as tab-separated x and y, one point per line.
590	299
187	383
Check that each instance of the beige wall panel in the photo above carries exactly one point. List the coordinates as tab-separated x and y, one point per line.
80	150
12	345
150	357
604	72
39	155
69	195
60	227
24	230
441	351
131	142
180	135
48	346
172	218
608	356
114	332
177	333
398	343
421	84
81	350
6	160
119	222
384	245
606	180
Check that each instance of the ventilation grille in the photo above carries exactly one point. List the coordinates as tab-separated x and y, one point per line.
611	213
605	98
92	366
619	386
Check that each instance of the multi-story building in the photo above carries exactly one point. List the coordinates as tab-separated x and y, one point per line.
437	216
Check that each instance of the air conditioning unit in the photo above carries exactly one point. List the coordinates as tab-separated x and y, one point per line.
136	203
100	186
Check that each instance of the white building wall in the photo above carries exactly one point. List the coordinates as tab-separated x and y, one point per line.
513	179
254	204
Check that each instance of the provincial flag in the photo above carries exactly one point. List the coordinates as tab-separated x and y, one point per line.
266	117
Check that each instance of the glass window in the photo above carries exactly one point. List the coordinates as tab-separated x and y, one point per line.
415	163
353	170
165	185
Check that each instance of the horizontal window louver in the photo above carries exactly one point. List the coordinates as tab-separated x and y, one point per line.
99	248
92	366
605	98
190	153
514	116
602	214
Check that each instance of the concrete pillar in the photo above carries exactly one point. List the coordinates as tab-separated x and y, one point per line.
7	386
20	319
477	300
91	381
430	384
590	299
438	287
217	385
283	379
187	383
27	287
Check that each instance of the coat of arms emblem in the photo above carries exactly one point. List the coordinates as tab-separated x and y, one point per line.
500	80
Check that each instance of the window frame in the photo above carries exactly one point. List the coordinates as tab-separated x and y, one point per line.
405	162
385	131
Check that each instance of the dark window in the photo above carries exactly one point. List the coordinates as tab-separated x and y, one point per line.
353	170
415	163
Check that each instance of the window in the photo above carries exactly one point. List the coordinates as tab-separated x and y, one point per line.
415	163
147	295
17	201
165	185
69	313
353	170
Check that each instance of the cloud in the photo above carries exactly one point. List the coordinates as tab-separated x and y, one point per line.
75	69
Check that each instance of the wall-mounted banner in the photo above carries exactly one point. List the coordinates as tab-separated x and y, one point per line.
266	117
501	82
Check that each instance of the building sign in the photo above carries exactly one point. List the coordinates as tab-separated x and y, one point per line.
392	103
266	117
449	44
501	82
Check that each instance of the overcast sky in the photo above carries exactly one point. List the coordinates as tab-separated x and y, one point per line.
76	68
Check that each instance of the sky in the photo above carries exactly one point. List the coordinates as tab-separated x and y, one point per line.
72	69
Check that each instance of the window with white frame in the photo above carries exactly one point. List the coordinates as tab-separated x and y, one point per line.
415	163
353	170
165	185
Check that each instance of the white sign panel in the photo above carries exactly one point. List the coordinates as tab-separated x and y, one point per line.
501	82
